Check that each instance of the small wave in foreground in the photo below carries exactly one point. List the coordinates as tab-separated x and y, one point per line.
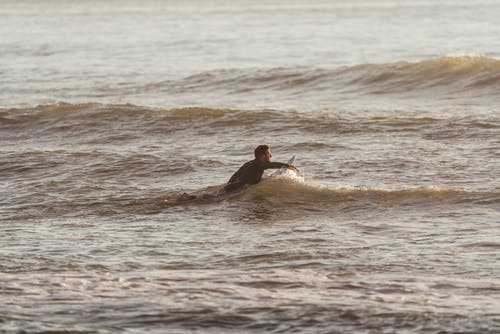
291	189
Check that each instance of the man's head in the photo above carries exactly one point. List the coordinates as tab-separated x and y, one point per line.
263	153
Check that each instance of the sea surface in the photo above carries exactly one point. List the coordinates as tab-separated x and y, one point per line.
112	111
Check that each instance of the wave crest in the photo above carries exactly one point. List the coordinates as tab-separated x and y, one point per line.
450	73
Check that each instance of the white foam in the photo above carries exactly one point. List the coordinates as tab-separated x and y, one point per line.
288	174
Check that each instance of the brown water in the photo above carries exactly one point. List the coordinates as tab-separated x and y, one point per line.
106	123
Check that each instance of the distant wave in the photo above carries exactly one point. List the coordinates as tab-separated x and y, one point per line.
445	75
452	80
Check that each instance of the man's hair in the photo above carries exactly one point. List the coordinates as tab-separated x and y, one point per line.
260	150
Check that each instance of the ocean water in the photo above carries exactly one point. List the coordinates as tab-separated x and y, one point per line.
110	111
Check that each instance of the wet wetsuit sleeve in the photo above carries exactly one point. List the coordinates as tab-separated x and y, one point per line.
275	165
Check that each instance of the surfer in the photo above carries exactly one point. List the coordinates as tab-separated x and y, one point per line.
251	172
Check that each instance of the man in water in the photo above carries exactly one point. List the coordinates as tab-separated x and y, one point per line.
251	172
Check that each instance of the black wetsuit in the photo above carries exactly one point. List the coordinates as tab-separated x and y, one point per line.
250	173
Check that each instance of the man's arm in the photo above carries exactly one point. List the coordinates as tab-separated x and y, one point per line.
276	165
